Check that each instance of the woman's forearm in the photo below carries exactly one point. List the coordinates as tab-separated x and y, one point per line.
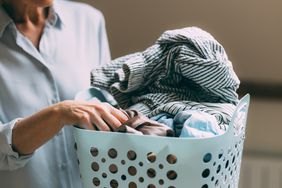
32	132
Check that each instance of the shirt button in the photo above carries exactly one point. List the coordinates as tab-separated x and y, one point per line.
62	165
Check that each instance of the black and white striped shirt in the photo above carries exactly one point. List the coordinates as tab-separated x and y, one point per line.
185	69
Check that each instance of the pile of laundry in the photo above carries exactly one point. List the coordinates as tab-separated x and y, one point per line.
182	86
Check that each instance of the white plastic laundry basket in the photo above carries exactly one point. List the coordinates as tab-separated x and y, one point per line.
108	159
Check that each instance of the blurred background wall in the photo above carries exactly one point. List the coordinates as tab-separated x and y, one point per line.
250	31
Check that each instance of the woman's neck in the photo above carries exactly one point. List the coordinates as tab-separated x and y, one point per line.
28	18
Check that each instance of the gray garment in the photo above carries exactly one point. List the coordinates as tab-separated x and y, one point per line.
186	69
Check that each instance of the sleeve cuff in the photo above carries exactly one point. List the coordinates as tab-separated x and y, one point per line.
13	159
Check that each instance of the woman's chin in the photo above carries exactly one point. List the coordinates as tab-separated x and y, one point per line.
42	3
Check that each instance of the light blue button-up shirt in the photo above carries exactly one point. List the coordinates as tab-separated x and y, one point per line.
74	42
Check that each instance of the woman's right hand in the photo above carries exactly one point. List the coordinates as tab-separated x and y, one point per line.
87	114
33	131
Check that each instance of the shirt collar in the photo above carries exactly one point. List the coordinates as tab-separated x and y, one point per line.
56	17
58	13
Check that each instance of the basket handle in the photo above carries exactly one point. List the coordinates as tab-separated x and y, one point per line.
238	122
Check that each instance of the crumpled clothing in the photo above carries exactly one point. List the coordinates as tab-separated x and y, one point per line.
191	123
141	125
186	69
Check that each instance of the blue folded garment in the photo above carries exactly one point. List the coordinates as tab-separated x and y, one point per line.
191	123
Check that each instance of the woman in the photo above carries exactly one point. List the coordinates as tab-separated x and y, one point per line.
47	50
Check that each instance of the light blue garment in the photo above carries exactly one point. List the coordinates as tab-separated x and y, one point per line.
191	123
166	119
73	43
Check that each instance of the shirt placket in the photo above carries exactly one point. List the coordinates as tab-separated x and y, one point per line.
45	48
44	57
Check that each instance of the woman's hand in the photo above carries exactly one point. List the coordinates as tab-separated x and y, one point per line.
32	132
89	114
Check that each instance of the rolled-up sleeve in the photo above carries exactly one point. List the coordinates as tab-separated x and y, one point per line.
10	159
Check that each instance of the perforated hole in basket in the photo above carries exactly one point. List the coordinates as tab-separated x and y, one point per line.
151	157
94	151
112	169
112	153
114	183
131	155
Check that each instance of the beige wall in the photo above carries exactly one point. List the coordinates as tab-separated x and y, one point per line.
250	31
264	129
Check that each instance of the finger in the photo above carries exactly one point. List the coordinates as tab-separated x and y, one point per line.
99	122
105	107
119	115
85	122
111	120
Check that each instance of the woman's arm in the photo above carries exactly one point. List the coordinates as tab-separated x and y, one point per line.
32	132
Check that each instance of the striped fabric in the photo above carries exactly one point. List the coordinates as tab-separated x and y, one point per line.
185	69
